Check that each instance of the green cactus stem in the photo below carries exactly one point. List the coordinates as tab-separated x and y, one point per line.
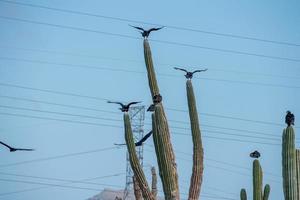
257	180
161	135
289	172
298	172
197	171
136	189
266	192
134	161
243	194
154	182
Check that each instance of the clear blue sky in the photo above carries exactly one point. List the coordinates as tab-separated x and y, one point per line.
63	59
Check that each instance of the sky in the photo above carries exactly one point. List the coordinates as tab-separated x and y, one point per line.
59	66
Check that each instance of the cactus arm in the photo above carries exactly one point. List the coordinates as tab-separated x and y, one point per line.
162	142
289	164
154	183
257	180
266	192
197	171
243	194
134	161
298	172
137	189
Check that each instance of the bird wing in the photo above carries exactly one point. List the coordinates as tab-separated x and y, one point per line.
139	28
177	68
5	145
155	29
20	149
134	102
139	143
116	103
199	70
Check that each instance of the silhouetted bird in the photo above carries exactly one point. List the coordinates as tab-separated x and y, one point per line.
12	149
189	75
145	33
124	107
151	108
255	154
157	99
139	143
289	118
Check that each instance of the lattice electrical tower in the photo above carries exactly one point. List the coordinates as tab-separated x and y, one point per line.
137	117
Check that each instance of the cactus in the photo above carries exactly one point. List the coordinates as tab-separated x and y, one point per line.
266	192
298	172
197	173
243	194
154	183
134	161
289	164
136	189
161	135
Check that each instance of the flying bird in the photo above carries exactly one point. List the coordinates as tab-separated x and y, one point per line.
289	118
12	149
140	143
255	154
189	75
124	107
145	33
151	108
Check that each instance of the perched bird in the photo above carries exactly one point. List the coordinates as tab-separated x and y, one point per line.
151	108
12	149
140	143
189	75
145	33
289	118
255	154
157	99
124	107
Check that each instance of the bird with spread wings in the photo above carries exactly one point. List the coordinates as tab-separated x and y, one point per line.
189	75
146	33
12	149
140	143
124	107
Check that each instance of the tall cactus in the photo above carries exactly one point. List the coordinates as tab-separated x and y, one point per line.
197	173
134	161
161	134
258	193
289	172
243	194
136	189
154	182
298	172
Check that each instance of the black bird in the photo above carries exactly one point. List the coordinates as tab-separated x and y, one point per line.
151	108
189	75
140	143
12	149
124	107
145	33
255	154
289	118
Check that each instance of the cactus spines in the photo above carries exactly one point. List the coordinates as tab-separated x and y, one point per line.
289	164
243	194
298	172
134	161
266	192
136	189
197	173
257	180
154	182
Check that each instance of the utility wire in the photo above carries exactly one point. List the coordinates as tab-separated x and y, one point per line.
153	24
157	41
143	72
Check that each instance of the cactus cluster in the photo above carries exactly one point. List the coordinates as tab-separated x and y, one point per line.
258	192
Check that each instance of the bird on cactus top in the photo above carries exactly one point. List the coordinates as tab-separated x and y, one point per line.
255	154
124	107
146	33
189	75
289	118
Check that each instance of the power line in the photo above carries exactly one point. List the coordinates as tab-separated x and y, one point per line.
155	24
143	72
141	61
157	41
